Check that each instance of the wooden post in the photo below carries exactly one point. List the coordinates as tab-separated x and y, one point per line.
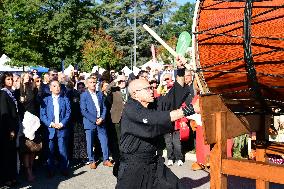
261	135
219	152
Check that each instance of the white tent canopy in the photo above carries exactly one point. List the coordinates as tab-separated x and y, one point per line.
153	65
95	69
98	69
3	67
69	70
136	70
101	71
126	71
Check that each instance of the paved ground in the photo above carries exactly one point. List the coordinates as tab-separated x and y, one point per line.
101	178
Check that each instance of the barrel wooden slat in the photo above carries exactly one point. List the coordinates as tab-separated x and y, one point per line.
220	41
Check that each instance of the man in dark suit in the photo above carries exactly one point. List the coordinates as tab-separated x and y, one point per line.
44	90
55	113
94	111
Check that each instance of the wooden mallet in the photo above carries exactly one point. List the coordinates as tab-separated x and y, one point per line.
173	52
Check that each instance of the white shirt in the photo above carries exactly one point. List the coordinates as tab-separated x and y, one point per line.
56	108
96	101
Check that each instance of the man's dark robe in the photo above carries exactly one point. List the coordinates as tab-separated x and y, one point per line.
140	167
175	97
9	121
172	101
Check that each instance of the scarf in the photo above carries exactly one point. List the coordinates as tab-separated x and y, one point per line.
10	94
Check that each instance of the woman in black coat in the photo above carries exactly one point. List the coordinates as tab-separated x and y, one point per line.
9	126
29	103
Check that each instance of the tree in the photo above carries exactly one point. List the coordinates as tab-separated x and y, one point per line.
35	32
181	20
164	54
20	33
66	25
118	20
1	27
46	32
100	50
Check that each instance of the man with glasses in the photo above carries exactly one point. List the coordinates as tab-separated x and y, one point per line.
112	75
143	75
45	90
55	112
172	98
117	97
141	127
93	110
37	81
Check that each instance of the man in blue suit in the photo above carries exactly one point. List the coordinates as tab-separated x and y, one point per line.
94	111
55	113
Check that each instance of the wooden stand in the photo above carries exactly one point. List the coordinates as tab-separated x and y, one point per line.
219	152
219	124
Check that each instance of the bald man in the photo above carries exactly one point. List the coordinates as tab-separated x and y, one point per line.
140	167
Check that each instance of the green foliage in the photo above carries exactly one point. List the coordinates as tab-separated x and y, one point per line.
1	27
67	27
36	32
118	21
20	34
100	51
181	20
46	32
240	148
163	54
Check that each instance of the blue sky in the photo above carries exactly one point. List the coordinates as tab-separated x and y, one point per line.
181	2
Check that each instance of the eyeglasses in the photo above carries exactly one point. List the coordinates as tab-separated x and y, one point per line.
144	76
152	82
149	88
122	81
167	79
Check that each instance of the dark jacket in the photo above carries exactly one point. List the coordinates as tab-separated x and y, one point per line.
140	167
31	101
116	100
9	121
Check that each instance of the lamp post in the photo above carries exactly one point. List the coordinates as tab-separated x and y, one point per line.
135	31
131	59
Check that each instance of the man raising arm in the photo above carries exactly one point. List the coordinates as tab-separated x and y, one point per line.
140	167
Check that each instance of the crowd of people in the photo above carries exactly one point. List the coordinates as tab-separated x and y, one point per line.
60	118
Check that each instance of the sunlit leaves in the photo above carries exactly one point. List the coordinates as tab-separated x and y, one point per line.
100	50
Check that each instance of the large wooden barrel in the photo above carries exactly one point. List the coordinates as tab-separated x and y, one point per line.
239	50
